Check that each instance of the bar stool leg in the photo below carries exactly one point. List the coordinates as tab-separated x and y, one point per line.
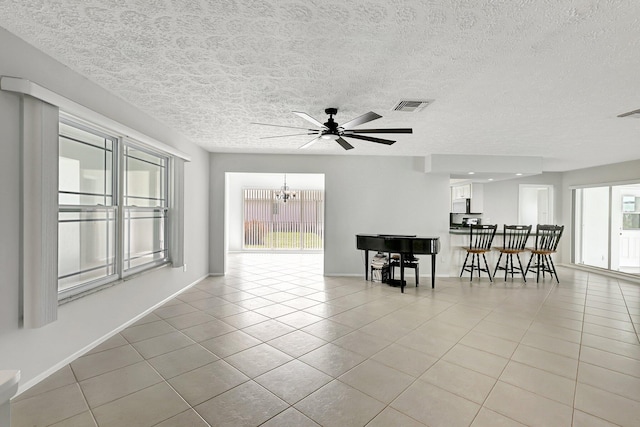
529	264
497	265
506	267
473	256
554	272
524	276
464	265
486	266
511	258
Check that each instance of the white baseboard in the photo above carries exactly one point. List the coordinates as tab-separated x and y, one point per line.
27	385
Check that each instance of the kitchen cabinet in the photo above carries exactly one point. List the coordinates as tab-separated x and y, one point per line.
473	191
461	192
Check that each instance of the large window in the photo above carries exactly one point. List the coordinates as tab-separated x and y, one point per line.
87	216
607	227
145	208
113	206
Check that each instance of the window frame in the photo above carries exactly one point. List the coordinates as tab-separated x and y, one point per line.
81	208
118	194
126	272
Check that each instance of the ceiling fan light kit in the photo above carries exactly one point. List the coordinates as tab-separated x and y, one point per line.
332	130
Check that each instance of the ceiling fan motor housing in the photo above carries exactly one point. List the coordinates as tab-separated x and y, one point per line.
331	125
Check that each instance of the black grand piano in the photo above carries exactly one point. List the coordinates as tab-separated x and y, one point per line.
404	245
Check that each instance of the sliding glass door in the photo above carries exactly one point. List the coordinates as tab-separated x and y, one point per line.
607	227
273	223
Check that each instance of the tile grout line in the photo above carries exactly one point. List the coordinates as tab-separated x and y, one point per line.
575	386
493	309
511	359
166	381
482	405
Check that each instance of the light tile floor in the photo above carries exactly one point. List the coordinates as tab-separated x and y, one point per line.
275	343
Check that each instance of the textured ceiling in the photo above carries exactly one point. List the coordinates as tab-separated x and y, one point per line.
529	77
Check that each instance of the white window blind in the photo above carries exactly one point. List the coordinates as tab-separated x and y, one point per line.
39	198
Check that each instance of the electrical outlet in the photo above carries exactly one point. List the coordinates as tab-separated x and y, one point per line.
184	267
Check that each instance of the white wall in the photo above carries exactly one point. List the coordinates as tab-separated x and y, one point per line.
236	182
378	194
501	198
38	352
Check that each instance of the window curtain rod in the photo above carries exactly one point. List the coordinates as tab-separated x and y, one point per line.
27	87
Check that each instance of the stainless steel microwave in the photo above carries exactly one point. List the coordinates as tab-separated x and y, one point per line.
461	206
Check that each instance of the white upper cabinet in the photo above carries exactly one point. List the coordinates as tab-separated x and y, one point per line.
473	191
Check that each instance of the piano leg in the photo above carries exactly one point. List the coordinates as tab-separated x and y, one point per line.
366	264
401	272
433	271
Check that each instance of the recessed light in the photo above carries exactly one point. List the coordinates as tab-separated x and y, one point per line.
490	179
471	173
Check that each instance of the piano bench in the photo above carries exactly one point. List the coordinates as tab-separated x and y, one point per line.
407	264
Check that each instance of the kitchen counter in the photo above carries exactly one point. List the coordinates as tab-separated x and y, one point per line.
459	239
465	231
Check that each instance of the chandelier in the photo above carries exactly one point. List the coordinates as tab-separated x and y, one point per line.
285	193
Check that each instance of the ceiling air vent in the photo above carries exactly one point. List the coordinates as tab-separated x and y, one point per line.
412	106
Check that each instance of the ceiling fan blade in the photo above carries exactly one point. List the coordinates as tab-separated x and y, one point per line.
392	130
630	113
310	143
362	119
372	139
280	126
283	136
344	144
308	118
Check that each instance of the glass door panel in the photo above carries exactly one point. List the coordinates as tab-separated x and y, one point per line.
625	228
607	227
592	227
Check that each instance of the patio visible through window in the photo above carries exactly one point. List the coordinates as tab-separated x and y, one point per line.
296	224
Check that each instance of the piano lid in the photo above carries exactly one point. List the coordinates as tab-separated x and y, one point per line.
398	243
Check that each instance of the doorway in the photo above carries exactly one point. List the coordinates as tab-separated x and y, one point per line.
264	216
535	204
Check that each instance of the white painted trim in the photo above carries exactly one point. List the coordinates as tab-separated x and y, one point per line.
24	387
626	277
27	87
605	184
